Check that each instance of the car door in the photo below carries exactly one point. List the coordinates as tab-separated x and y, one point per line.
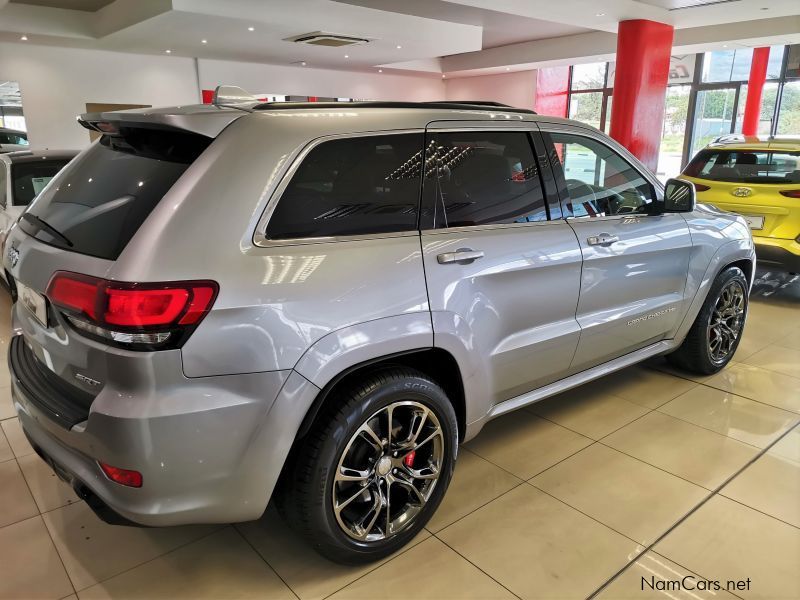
503	279
635	257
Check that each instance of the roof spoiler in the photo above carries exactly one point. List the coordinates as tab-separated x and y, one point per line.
231	95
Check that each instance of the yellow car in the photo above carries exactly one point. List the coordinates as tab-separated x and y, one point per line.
759	178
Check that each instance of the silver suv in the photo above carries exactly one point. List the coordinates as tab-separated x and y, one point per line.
317	303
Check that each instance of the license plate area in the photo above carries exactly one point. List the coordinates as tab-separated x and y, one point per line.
754	221
33	301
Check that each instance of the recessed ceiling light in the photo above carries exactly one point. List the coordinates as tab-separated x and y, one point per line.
399	47
380	70
251	29
303	63
724	45
168	51
600	15
443	75
203	41
508	68
347	56
24	38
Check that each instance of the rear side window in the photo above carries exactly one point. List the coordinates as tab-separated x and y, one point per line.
13	137
746	166
29	178
483	178
352	186
100	201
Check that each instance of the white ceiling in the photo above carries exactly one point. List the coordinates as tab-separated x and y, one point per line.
473	36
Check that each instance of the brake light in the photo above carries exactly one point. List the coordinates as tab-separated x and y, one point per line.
132	313
701	187
791	193
122	476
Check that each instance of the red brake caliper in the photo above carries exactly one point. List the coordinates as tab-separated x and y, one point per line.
408	460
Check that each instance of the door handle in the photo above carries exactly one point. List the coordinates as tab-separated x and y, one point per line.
602	239
462	256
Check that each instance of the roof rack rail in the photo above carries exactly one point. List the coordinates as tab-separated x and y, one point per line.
445	104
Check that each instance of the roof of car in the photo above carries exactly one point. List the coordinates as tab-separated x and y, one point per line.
742	142
23	156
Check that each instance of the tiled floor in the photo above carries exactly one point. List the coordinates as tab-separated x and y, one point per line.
645	475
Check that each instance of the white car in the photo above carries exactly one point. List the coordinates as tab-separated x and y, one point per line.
23	175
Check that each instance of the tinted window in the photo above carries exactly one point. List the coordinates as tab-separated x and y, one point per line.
746	166
599	181
13	137
29	178
482	178
352	186
100	201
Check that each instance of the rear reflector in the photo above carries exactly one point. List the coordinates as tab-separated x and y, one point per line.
122	476
131	313
791	193
701	188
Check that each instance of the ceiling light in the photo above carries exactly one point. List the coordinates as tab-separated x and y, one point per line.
508	68
203	41
24	38
443	75
347	56
399	47
380	70
251	29
600	15
302	63
168	51
724	45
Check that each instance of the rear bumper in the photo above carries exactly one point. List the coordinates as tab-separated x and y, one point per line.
783	254
209	450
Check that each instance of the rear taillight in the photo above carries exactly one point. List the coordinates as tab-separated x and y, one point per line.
791	193
122	476
149	315
699	187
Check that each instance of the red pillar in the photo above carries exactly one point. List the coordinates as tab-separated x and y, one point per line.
640	87
552	91
755	91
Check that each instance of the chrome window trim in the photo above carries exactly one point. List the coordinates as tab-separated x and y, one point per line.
492	227
260	238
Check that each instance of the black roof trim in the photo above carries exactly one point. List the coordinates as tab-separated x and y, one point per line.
443	104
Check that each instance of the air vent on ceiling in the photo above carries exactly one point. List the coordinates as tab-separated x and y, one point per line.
320	38
684	4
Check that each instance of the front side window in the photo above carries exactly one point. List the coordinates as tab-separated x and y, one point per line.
600	182
352	186
746	166
29	178
483	178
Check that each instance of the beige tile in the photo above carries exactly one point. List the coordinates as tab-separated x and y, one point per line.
734	416
791	340
629	496
6	406
590	412
16	438
5	448
725	540
93	550
778	359
698	455
644	386
759	384
16	502
47	489
308	574
475	482
538	547
655	577
222	565
438	573
525	444
788	446
29	564
771	485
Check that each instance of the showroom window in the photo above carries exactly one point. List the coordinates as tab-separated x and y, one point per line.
352	186
483	178
600	182
590	94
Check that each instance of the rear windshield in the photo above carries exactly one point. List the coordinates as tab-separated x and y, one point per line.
29	178
746	166
99	202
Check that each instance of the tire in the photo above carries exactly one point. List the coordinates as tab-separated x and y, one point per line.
697	353
339	442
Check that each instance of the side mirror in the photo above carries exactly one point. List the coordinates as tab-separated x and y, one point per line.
679	196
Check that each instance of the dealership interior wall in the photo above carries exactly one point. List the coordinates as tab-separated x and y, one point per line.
650	482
